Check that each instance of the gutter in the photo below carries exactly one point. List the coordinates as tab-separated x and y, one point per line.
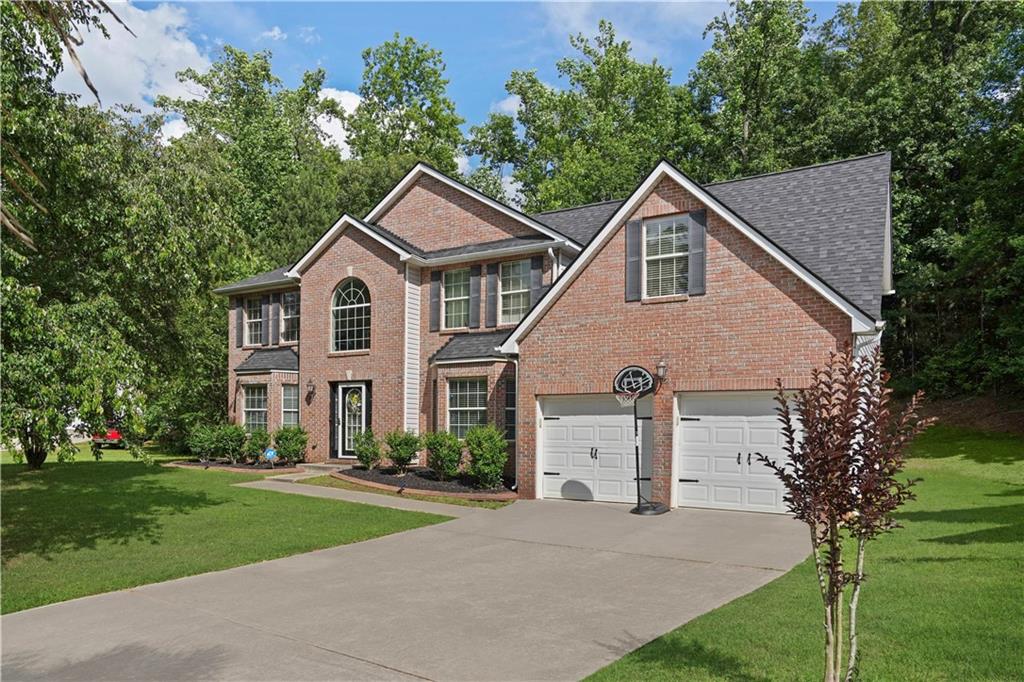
522	249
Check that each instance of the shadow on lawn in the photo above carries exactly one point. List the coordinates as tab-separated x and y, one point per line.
74	506
983	447
1007	519
671	654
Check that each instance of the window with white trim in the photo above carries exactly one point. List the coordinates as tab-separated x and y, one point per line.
253	321
666	256
515	290
456	298
290	316
290	405
467	404
510	410
350	316
255	410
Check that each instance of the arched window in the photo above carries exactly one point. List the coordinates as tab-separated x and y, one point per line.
350	316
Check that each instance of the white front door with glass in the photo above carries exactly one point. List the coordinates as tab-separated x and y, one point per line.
352	403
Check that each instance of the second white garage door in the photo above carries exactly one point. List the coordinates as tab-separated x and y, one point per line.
716	467
587	448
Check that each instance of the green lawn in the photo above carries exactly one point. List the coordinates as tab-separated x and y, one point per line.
331	482
75	529
944	599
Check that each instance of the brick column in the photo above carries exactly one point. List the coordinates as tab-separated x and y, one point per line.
661	465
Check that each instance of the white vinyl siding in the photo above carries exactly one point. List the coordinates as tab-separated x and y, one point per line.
412	349
290	316
515	290
456	298
255	414
666	256
290	405
253	322
467	404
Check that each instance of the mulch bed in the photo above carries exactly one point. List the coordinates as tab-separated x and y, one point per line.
240	467
421	481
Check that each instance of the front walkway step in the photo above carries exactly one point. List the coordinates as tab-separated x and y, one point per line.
324	468
287	484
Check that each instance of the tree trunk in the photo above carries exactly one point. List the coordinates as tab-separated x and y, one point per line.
35	457
836	540
851	666
823	586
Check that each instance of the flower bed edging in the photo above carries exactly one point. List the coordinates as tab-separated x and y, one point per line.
240	469
495	497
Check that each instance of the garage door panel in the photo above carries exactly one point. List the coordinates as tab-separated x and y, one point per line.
726	465
696	435
728	435
693	464
764	498
727	494
556	433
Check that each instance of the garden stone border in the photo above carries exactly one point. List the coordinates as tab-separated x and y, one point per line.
506	496
237	469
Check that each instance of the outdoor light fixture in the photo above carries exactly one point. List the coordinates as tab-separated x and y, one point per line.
310	389
661	369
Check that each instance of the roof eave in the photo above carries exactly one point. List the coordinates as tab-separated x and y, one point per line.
274	285
519	250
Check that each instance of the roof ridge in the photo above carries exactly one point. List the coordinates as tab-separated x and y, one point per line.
798	168
574	208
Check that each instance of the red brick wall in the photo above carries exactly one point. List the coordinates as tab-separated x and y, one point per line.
433	215
354	254
274	382
756	322
497	375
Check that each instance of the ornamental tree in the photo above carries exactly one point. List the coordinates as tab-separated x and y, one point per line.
845	448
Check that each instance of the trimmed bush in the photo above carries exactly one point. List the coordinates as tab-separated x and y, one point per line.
230	440
367	449
402	448
202	442
255	444
444	454
488	453
290	443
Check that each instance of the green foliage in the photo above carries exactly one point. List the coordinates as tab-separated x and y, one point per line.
405	108
488	454
367	449
444	453
202	441
255	444
290	443
402	448
230	440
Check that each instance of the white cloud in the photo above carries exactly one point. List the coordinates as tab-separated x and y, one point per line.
510	105
134	70
173	129
332	126
309	35
275	34
462	162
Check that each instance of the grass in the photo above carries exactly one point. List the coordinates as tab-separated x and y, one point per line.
331	482
75	529
942	601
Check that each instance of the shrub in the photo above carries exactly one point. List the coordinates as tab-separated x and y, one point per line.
488	453
444	453
202	441
367	449
230	440
402	447
255	444
290	443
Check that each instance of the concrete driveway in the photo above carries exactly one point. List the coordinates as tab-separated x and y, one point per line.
541	590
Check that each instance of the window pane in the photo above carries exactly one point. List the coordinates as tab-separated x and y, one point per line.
350	317
255	408
456	298
515	276
467	405
666	256
290	316
456	313
514	306
253	321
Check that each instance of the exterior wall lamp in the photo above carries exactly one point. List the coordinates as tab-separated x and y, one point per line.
310	390
661	369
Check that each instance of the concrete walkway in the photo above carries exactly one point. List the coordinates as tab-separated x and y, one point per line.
535	591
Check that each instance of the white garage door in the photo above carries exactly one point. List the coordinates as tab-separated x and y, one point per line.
716	467
587	448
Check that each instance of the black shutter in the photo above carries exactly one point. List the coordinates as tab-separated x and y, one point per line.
698	266
491	314
536	278
275	319
368	406
435	300
474	297
633	250
333	418
265	303
239	321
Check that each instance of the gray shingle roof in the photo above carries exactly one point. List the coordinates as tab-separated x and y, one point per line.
470	249
829	217
472	345
270	359
264	279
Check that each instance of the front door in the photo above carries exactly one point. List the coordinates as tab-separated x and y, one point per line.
353	404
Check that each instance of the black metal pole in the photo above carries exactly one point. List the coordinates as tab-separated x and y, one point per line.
636	450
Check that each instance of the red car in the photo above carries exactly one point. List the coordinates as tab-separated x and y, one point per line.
112	436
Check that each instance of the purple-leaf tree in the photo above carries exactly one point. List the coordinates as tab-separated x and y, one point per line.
845	449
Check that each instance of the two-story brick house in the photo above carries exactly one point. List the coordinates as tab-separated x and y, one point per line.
443	308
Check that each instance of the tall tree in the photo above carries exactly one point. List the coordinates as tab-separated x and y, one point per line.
405	108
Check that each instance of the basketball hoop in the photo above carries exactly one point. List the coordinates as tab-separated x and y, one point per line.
630	383
627	398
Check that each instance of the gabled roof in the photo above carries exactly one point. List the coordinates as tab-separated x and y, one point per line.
472	346
580	222
344	222
270	360
841	183
264	280
421	169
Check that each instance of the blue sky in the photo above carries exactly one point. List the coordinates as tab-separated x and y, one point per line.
481	42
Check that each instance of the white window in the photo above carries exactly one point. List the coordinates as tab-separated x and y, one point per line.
456	298
515	291
253	322
666	256
467	404
510	410
290	405
290	316
255	414
350	316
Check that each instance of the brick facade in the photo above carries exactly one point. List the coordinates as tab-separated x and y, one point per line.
757	322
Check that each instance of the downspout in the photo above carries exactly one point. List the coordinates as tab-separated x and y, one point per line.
554	264
515	443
